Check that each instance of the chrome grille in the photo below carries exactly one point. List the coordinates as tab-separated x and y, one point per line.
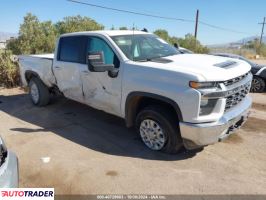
237	96
235	80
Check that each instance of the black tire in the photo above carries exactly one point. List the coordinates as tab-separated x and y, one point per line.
42	90
258	85
167	122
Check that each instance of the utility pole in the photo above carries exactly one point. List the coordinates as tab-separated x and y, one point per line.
196	24
262	30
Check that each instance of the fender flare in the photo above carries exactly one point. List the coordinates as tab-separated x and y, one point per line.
133	100
29	74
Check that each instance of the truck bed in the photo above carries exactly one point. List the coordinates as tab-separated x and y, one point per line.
43	56
40	64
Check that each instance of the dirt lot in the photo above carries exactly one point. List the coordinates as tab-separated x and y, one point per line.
92	152
261	62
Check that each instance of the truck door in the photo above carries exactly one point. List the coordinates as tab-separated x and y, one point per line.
71	57
102	91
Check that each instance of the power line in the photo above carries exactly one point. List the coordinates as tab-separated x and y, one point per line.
157	16
131	12
222	28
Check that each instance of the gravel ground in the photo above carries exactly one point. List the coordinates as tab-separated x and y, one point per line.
79	150
260	61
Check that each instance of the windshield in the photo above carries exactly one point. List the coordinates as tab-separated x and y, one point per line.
144	47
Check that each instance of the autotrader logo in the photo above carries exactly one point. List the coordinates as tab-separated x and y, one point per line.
26	193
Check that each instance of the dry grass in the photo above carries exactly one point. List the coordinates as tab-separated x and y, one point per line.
9	70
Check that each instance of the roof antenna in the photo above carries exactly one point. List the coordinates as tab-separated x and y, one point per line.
145	30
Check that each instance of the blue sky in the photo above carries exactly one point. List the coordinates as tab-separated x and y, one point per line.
241	15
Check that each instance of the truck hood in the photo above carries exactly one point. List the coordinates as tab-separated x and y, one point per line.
206	67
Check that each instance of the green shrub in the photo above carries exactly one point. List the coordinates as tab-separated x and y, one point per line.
36	37
255	45
188	42
9	70
262	50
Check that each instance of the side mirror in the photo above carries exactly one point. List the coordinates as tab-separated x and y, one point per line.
176	45
96	62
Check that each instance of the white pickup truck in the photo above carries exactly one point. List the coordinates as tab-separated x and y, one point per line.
173	99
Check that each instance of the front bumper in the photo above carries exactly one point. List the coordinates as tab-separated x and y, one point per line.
9	172
198	135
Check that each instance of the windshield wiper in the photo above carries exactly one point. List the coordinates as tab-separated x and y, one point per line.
154	58
143	60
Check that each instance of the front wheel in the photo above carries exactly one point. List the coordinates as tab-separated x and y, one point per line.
258	84
159	130
39	92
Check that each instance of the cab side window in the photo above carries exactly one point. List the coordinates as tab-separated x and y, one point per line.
72	49
98	44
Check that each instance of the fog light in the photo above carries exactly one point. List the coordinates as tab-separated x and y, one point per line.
207	106
204	102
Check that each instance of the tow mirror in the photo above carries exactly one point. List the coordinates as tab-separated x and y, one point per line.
176	45
96	62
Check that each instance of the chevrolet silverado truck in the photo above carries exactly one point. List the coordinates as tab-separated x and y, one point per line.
172	99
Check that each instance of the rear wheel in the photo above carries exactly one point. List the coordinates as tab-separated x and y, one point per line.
258	84
159	130
39	93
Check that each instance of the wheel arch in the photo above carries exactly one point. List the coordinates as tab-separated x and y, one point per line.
29	74
137	100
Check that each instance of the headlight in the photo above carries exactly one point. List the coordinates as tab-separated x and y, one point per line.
207	106
3	151
203	85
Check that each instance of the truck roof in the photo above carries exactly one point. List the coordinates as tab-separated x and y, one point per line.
107	32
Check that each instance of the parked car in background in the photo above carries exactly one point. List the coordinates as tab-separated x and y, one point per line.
8	167
258	71
184	50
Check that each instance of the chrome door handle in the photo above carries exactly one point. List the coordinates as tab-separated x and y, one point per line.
57	67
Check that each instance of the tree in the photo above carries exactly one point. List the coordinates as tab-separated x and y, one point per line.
255	44
30	35
34	37
13	46
39	37
50	35
174	40
162	34
189	42
77	23
123	28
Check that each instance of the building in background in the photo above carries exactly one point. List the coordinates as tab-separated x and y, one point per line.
2	44
4	37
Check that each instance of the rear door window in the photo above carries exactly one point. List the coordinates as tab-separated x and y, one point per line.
73	49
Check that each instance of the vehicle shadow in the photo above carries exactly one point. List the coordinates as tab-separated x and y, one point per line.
83	125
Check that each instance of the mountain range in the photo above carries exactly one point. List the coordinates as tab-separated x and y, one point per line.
239	42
